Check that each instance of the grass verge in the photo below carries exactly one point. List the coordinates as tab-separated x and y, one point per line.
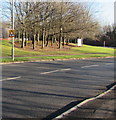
37	58
74	52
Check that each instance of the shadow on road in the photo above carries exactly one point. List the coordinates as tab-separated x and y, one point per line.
62	110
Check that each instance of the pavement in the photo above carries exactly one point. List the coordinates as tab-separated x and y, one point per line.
41	89
102	108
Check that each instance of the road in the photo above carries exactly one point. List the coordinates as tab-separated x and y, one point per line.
38	89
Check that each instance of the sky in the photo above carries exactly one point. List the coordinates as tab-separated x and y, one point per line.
102	10
105	11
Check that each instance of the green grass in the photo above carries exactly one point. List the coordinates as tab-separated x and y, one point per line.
92	50
7	47
36	58
85	51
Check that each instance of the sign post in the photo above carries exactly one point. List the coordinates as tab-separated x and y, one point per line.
12	30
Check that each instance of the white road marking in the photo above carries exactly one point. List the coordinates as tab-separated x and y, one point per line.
43	67
55	71
89	66
12	78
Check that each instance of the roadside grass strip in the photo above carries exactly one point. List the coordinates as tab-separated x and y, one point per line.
65	57
86	51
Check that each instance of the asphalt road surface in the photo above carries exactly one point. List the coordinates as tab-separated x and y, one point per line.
38	89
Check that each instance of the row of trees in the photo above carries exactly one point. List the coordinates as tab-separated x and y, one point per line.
53	22
108	35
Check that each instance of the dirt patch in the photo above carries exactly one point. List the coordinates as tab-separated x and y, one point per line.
38	47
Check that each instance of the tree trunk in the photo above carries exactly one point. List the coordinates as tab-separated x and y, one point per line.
56	41
25	39
47	41
34	41
43	40
22	43
60	42
52	41
63	41
67	42
38	38
19	36
104	43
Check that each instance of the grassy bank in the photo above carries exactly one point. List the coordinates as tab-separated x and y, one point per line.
68	52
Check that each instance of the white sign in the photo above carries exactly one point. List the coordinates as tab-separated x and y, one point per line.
79	42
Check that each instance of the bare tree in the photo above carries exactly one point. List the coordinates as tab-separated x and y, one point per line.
53	21
108	35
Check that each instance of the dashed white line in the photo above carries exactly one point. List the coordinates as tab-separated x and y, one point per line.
43	73
43	67
12	78
89	66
